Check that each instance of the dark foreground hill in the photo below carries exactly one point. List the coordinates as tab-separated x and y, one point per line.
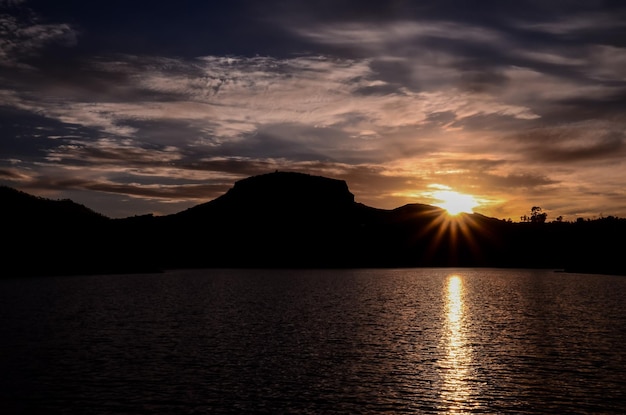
44	237
292	220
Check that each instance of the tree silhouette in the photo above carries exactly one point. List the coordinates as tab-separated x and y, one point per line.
537	216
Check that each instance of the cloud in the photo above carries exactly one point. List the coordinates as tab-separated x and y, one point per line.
606	63
199	192
379	37
426	54
12	174
21	36
576	23
504	102
104	151
579	143
229	100
520	181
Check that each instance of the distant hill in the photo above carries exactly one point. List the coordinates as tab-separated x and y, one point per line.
286	219
18	205
60	237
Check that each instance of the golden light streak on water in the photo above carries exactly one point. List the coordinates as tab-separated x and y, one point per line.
455	391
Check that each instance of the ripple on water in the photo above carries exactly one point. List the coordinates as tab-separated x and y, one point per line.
315	341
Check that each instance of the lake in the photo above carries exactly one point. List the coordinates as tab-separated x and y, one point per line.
368	341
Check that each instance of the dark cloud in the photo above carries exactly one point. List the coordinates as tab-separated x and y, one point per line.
195	191
111	153
482	80
9	174
187	194
24	36
582	142
28	136
238	167
520	181
475	164
187	29
603	149
384	89
397	72
161	133
610	106
94	80
294	142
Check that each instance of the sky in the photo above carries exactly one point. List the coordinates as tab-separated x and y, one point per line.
135	107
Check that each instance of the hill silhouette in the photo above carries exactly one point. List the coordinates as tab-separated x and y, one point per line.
60	237
286	219
18	205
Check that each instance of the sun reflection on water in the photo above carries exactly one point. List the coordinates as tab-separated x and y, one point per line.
455	366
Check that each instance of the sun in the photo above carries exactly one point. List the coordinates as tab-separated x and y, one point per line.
454	202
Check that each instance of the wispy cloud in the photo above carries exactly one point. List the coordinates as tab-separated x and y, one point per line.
577	23
236	96
23	37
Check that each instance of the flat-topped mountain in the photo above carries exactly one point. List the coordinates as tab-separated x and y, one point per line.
289	188
279	193
285	219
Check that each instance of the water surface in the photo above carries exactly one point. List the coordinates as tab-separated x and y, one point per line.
314	341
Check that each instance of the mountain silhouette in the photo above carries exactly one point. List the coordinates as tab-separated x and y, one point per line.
277	219
19	206
288	219
61	237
